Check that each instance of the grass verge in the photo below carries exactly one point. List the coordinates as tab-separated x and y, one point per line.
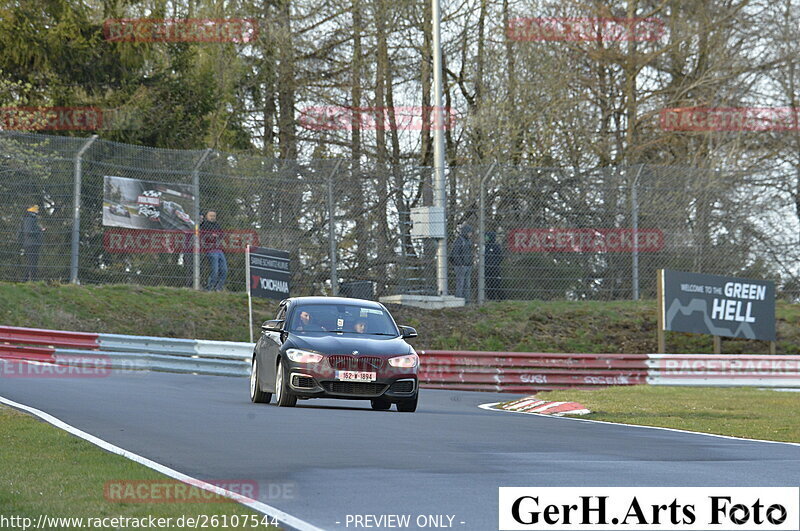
46	471
517	326
737	412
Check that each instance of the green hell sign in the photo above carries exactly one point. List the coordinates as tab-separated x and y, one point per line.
717	305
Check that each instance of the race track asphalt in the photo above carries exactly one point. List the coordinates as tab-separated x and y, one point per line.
324	459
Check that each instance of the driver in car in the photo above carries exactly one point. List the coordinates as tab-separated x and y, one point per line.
360	326
307	323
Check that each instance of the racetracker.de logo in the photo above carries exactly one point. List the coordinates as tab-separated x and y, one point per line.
339	118
118	240
573	29
64	119
730	119
174	491
65	366
585	240
180	30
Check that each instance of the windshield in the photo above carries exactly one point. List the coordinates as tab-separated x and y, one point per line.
342	318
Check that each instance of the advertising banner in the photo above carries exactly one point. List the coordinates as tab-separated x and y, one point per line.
269	273
140	204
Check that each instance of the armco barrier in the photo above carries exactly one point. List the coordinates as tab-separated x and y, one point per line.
151	345
723	370
18	352
139	361
125	352
522	372
514	372
53	338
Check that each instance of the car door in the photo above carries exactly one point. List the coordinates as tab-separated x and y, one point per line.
270	345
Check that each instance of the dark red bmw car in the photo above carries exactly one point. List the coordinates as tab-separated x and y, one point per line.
334	347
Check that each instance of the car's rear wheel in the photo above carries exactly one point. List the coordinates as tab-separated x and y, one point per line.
380	404
284	397
408	406
256	394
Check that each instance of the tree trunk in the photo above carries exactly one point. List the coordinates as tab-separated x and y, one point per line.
361	229
384	251
286	83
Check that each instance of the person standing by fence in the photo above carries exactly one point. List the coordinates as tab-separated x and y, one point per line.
31	236
211	242
461	258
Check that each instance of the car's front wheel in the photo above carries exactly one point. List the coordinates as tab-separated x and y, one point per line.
408	406
256	394
380	404
284	397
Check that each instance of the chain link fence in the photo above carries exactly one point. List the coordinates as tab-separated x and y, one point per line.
514	232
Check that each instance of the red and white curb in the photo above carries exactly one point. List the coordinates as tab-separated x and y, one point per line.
532	404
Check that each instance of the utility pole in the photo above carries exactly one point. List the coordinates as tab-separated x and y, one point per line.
439	185
196	213
76	211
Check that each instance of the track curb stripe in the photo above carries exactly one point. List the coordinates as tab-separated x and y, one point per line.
282	517
532	404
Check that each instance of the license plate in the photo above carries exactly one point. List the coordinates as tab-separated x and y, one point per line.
355	376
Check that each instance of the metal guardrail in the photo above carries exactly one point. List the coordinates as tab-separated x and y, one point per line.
524	372
18	352
152	345
130	361
514	372
717	370
224	349
125	352
54	338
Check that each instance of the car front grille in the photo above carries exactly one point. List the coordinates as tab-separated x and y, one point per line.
305	382
355	363
402	386
355	388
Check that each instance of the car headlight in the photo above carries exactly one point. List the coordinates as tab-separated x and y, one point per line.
303	356
406	362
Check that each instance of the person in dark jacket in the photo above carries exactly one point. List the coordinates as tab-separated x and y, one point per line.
31	236
461	259
211	242
492	258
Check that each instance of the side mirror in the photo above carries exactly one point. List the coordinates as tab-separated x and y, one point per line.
408	332
275	325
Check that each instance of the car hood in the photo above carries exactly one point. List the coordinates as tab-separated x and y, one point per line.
325	343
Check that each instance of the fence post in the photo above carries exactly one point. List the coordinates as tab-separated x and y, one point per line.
482	237
76	212
196	239
635	227
440	180
332	231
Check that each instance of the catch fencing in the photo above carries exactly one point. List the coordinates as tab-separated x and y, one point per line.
508	372
536	233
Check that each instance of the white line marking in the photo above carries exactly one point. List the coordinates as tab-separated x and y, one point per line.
490	407
261	507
